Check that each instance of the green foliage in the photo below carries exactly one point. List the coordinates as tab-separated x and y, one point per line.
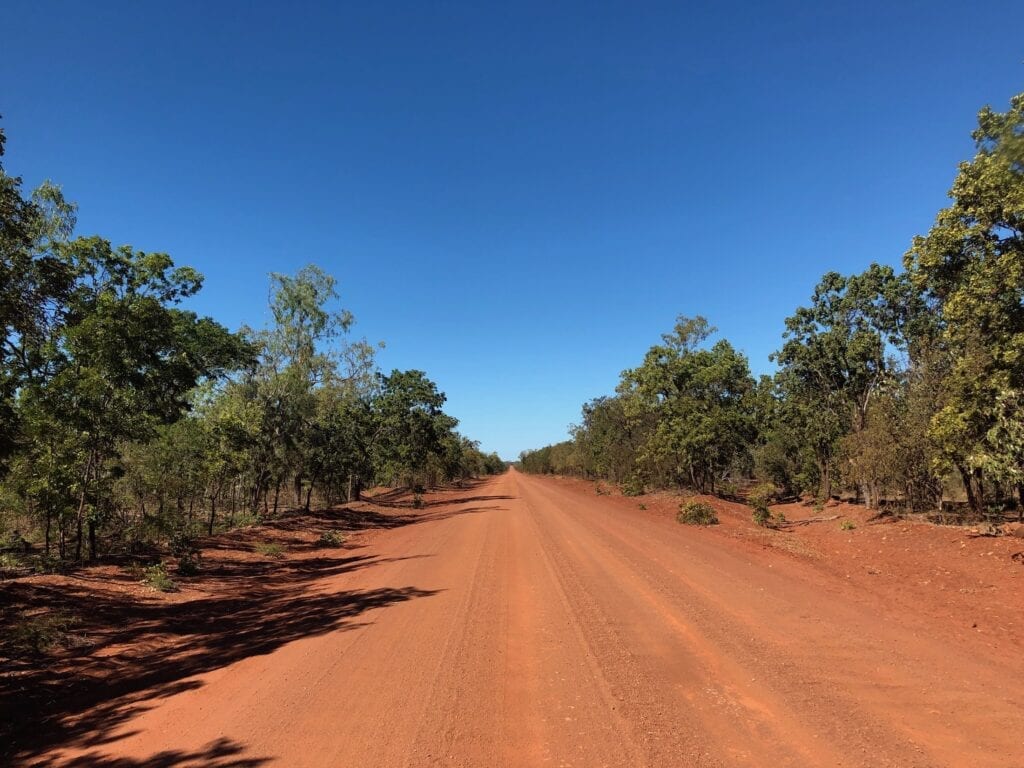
156	576
759	499
37	634
696	513
633	487
269	549
10	560
970	268
847	525
698	403
330	539
125	418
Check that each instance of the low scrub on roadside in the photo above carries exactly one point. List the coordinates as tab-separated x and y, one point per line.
157	577
269	549
330	539
759	499
696	513
38	634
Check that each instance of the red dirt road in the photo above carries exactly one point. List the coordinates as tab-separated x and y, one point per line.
543	625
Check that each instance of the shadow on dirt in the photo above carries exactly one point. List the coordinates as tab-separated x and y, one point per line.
222	753
136	651
147	651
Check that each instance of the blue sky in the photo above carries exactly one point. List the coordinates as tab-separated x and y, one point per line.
518	198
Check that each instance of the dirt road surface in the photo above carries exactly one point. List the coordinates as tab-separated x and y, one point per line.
530	622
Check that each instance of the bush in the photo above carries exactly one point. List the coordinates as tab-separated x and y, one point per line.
330	539
633	487
157	577
760	498
37	634
269	549
417	500
9	560
728	489
642	506
184	547
847	525
600	490
696	513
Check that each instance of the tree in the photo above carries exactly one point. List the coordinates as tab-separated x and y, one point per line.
836	358
121	362
699	400
410	426
33	283
970	266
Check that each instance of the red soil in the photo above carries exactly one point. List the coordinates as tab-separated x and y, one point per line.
528	621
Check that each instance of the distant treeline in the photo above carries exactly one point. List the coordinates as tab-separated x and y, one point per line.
892	386
127	420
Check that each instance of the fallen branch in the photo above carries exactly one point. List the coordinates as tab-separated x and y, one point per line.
807	521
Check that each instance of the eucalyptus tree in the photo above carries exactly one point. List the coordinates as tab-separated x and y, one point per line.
410	426
699	400
121	362
970	266
838	355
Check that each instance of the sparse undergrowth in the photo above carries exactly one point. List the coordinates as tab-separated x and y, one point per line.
761	496
847	525
34	635
269	549
696	513
330	539
157	577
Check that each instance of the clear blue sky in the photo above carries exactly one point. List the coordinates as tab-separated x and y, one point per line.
517	197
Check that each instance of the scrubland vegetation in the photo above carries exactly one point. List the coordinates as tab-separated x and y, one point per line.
129	422
902	388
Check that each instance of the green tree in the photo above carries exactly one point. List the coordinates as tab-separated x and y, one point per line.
700	402
970	266
836	358
409	426
122	361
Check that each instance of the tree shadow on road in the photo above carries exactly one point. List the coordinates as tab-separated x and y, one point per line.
139	649
222	753
148	651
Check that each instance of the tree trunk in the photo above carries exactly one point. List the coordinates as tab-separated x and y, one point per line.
213	515
81	505
309	492
277	495
972	497
92	539
825	489
1020	503
49	518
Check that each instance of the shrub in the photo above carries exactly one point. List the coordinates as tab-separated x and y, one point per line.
642	506
728	489
761	496
330	539
9	560
417	500
157	577
37	634
184	547
600	490
847	525
696	513
269	549
633	487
